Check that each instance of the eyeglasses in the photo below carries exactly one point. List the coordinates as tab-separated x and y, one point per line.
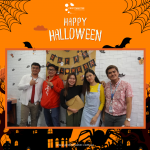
35	68
51	69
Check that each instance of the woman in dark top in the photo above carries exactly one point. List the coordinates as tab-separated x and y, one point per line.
70	91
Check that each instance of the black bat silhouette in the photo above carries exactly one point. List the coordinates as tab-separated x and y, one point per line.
13	69
123	44
28	66
139	58
102	51
121	75
43	66
13	84
19	59
27	44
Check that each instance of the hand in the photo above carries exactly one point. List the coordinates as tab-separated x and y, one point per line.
82	77
127	123
103	117
33	82
103	83
38	103
93	120
49	83
74	110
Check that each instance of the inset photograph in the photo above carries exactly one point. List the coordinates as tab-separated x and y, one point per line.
75	88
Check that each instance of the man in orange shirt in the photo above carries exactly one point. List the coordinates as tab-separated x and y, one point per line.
50	100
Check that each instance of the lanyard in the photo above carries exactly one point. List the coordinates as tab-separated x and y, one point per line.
112	94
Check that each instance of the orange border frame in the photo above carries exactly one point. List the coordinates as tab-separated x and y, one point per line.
144	118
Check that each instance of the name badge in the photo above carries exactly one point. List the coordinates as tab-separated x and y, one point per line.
110	109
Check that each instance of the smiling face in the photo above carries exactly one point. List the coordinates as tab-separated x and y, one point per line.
113	74
72	81
35	70
51	71
90	77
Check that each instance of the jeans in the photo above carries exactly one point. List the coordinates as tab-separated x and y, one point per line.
52	116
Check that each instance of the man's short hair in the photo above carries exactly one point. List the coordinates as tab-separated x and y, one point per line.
36	64
110	67
52	65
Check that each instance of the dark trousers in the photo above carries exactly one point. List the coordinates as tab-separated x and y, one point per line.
52	116
74	119
114	121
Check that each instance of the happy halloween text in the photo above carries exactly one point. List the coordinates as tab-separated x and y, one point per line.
72	33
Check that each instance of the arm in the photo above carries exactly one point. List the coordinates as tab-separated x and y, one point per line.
103	112
103	83
129	96
102	99
94	119
63	104
59	87
22	84
41	91
129	108
62	100
73	110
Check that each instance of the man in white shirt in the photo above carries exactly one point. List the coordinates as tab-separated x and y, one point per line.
31	85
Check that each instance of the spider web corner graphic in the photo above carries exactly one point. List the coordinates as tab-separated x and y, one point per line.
140	12
10	12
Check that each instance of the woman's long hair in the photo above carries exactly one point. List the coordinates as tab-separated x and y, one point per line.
67	84
86	84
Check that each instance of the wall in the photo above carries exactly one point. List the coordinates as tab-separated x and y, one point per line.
17	67
126	61
128	64
70	54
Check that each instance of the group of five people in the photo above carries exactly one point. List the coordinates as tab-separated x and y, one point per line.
110	102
